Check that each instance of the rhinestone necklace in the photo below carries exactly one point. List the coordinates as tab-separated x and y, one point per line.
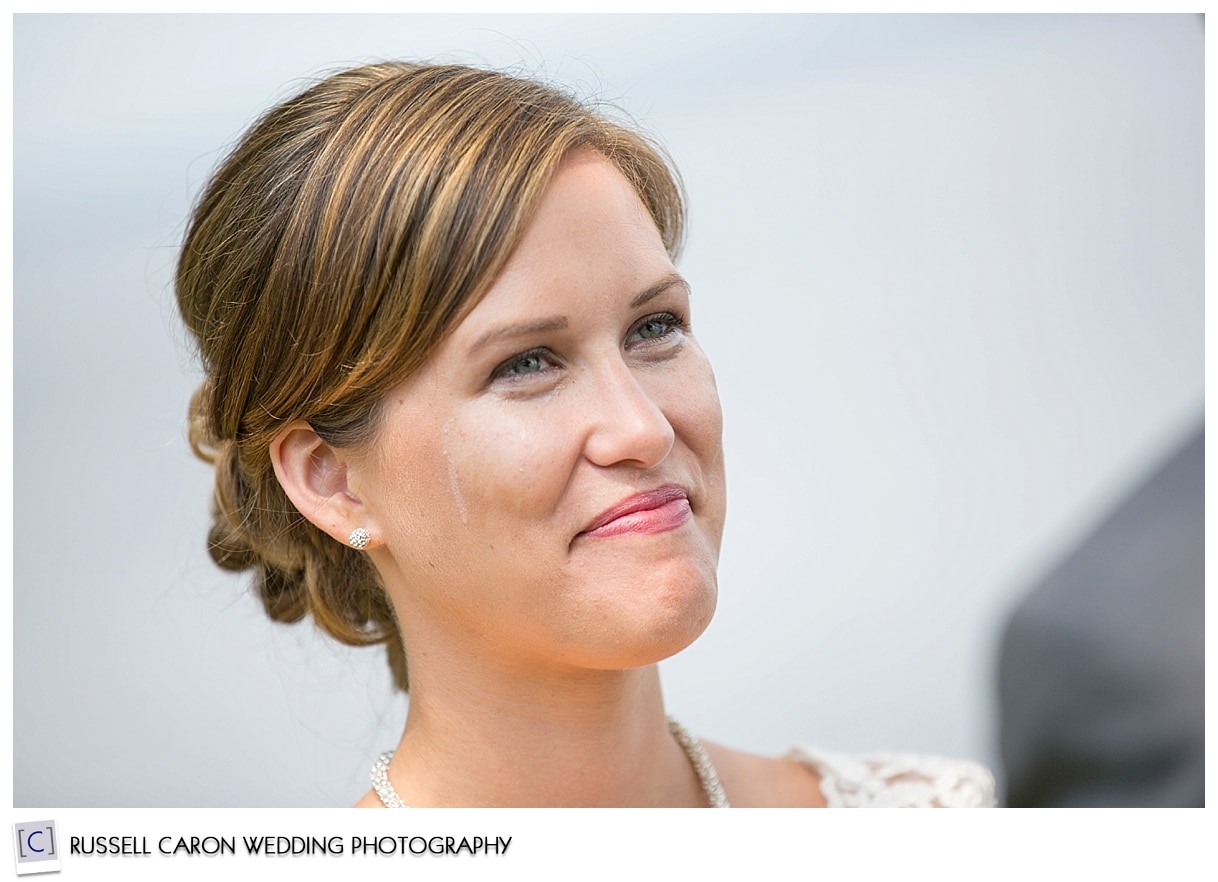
707	777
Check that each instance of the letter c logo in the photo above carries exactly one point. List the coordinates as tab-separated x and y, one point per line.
29	841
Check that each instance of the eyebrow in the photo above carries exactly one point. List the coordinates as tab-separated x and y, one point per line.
557	323
551	324
670	280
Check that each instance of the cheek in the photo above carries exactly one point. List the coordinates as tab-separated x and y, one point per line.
409	489
519	461
696	414
697	420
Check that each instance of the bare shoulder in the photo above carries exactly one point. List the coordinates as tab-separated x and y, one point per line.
752	781
369	800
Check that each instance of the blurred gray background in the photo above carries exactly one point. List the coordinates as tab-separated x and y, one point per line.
949	270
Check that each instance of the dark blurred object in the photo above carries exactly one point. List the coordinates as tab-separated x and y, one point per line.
1101	678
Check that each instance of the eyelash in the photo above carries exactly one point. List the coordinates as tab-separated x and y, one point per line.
675	323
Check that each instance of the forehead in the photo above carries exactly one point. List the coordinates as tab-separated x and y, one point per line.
590	237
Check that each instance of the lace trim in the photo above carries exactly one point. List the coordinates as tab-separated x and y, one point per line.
898	780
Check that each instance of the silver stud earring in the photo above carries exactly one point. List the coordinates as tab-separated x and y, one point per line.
359	538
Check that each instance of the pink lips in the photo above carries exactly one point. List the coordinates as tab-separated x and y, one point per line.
656	511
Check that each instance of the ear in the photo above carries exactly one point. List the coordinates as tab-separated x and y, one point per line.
314	475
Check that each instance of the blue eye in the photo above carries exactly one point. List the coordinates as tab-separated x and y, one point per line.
653	328
658	327
526	364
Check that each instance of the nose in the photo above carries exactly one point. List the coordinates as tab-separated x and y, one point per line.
626	424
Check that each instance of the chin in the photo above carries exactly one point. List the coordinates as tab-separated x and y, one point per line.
667	645
664	616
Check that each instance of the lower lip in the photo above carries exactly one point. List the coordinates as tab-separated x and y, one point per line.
661	519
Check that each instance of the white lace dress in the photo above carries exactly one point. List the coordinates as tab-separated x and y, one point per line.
898	780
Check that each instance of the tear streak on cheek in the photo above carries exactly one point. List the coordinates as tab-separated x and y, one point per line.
454	482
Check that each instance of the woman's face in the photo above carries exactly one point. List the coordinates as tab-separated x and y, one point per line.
548	489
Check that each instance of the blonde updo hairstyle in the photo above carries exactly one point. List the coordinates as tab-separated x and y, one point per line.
349	231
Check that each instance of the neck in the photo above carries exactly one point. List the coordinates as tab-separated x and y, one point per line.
587	738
